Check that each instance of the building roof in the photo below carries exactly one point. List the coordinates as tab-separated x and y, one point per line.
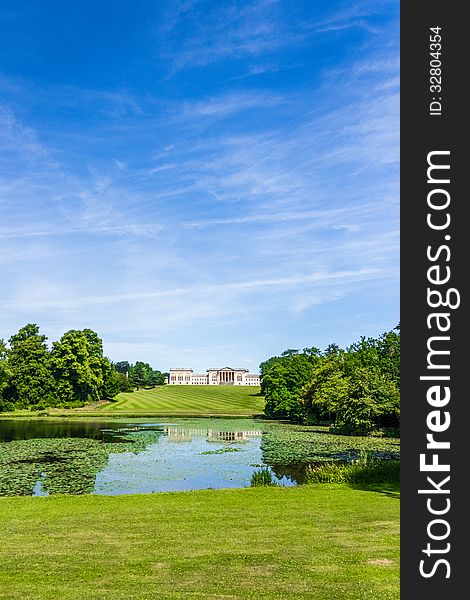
227	369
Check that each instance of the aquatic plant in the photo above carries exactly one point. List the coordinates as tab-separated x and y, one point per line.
287	444
262	477
62	465
222	450
371	471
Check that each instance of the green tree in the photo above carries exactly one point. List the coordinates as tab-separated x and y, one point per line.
155	378
388	347
284	378
111	380
79	367
139	375
5	376
122	367
327	389
124	384
30	380
357	390
373	401
5	372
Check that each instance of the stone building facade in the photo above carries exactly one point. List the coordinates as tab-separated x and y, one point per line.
223	376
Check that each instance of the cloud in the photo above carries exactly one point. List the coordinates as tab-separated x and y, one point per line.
129	229
174	216
335	218
16	138
221	31
229	104
259	28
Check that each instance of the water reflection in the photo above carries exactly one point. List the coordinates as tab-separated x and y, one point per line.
40	457
28	429
38	490
295	472
181	434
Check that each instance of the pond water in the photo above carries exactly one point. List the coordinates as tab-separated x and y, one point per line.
49	456
130	457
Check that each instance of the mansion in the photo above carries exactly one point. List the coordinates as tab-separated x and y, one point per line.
224	376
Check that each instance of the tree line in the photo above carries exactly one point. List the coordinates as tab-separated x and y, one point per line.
71	374
355	390
138	375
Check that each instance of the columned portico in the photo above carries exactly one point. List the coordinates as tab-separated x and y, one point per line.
226	376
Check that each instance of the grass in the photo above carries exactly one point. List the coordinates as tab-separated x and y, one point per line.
190	400
364	469
317	542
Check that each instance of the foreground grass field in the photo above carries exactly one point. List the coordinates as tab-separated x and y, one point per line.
193	400
319	541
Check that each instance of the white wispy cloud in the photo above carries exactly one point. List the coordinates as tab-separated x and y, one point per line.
171	221
230	103
228	30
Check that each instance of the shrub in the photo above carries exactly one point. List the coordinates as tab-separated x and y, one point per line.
262	477
374	471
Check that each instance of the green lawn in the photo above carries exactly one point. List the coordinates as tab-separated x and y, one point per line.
320	542
193	400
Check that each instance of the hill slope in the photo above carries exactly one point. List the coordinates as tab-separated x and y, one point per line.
189	400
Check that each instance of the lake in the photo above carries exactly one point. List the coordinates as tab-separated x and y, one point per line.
72	456
140	457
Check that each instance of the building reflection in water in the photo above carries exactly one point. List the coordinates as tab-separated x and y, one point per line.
294	473
176	434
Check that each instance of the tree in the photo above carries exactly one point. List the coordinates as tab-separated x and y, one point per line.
139	375
283	380
5	372
142	375
156	378
373	401
332	349
30	380
5	376
111	380
327	389
122	367
388	347
357	390
124	384
79	366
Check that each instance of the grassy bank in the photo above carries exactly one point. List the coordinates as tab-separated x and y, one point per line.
318	541
194	400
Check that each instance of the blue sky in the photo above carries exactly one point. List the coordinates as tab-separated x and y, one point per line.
202	183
